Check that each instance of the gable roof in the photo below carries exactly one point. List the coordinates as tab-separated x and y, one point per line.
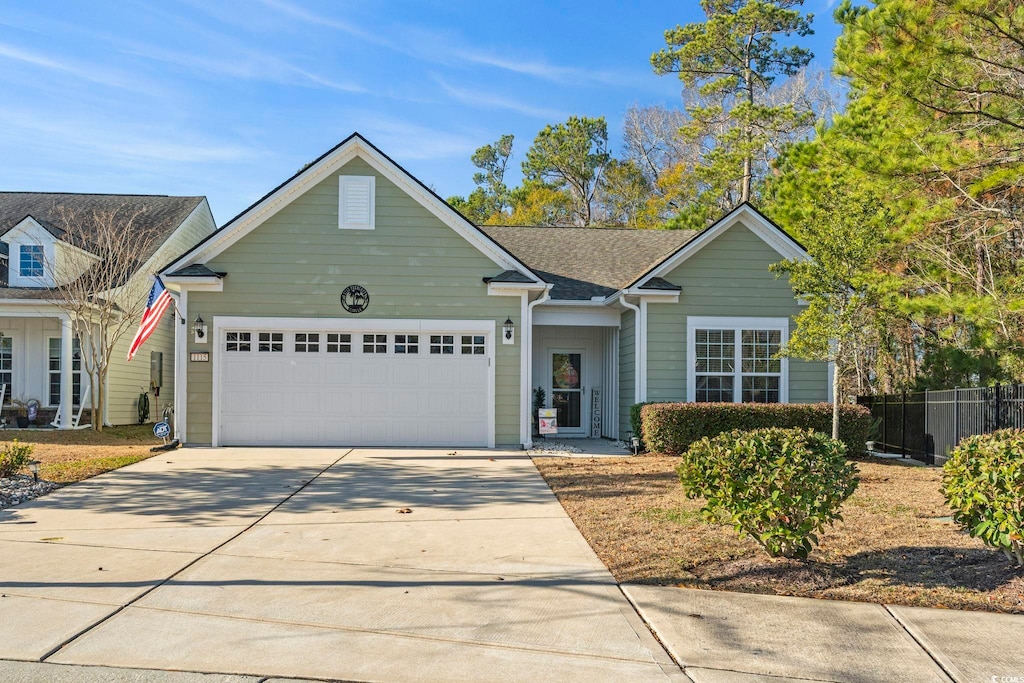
583	263
321	167
762	226
161	214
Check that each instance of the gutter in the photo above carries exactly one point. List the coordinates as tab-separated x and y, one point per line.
528	348
639	346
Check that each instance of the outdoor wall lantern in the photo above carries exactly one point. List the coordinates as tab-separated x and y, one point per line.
199	329
509	328
33	467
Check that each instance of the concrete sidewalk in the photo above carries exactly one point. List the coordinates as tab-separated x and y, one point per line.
297	563
719	636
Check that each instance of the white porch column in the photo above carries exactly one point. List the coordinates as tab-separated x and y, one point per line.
66	373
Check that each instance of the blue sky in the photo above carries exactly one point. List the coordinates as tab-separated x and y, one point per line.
227	99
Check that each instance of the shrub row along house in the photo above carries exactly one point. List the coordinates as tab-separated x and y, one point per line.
352	306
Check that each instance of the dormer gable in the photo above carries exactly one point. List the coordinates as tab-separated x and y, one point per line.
38	257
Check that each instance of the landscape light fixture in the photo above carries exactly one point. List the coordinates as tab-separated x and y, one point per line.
33	467
635	442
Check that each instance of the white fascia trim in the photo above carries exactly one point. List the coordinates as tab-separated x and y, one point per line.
208	284
654	296
578	316
731	322
598	303
319	171
223	323
757	224
513	288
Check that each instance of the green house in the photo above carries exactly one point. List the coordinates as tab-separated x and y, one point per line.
352	306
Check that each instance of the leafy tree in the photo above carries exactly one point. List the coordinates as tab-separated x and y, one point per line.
490	202
624	195
539	203
569	159
732	60
847	235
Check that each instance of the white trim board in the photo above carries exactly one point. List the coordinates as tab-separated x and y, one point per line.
224	323
693	323
355	146
771	234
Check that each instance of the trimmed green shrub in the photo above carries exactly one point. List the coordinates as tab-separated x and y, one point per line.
983	481
779	486
672	427
634	420
13	457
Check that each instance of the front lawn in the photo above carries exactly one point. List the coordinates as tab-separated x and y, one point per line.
68	456
895	545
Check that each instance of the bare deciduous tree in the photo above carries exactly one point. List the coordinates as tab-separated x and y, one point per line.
97	283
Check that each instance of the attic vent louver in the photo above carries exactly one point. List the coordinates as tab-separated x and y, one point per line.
356	202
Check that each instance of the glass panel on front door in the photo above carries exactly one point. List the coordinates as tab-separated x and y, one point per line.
567	389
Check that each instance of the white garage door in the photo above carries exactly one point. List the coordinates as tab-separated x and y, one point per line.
354	388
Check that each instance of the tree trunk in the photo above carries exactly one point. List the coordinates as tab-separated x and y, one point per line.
835	393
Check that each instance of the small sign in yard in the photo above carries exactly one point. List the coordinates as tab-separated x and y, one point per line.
162	430
547	420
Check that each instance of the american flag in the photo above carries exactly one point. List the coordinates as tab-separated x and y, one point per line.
159	300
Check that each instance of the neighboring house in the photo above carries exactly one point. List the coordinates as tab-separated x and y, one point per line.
39	358
352	306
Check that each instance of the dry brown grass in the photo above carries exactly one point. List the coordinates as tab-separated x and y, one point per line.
68	456
896	543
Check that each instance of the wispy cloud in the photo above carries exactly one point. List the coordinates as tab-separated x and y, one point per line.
304	15
485	100
90	73
415	142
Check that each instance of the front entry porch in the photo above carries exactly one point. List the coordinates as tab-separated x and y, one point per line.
577	368
40	360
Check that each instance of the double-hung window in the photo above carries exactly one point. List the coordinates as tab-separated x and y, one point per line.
735	360
31	260
76	372
7	366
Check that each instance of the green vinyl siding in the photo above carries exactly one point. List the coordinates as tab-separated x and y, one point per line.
296	263
627	370
728	277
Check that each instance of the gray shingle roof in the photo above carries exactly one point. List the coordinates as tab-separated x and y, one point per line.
195	270
661	284
586	262
160	213
510	276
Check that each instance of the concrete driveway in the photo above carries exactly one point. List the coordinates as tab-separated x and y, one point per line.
297	563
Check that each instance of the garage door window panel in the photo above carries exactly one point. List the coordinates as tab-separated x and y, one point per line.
238	341
271	342
375	343
339	343
473	345
307	342
407	344
442	344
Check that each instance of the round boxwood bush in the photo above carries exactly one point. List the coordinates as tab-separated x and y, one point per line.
779	486
983	481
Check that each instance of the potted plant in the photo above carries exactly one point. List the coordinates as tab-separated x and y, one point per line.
20	412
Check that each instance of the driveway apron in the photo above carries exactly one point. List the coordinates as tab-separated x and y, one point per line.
373	565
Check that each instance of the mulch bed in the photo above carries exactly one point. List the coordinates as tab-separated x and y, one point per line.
896	543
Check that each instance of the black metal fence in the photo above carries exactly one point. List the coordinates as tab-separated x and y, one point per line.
927	425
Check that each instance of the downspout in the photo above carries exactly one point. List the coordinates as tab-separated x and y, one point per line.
528	348
637	350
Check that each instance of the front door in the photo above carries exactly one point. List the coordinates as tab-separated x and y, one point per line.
567	389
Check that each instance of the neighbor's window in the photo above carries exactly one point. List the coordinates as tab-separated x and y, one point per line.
735	361
76	372
6	366
31	260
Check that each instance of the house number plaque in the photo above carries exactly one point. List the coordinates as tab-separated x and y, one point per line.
355	299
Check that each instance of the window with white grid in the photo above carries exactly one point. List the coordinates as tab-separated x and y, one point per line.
339	342
307	342
473	345
407	343
375	343
270	342
442	344
736	360
238	341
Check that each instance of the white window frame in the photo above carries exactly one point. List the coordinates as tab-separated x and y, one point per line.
79	372
371	184
40	253
694	323
8	340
